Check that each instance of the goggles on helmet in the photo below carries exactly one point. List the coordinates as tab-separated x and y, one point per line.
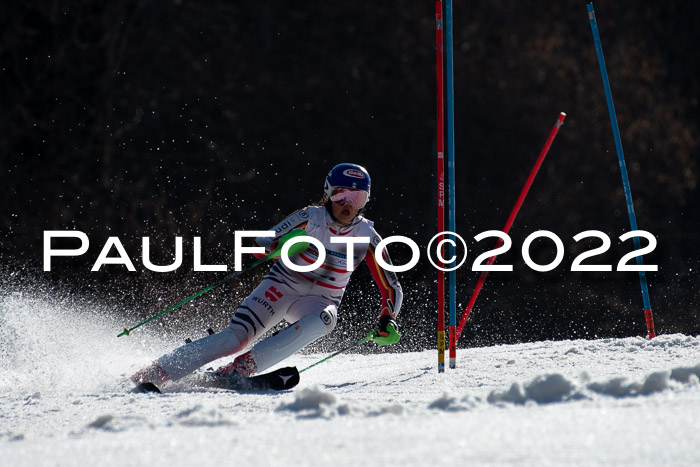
348	196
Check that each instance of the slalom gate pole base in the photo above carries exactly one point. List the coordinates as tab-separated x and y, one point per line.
453	347
441	351
650	324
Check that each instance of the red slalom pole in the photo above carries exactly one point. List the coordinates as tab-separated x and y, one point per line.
440	183
511	219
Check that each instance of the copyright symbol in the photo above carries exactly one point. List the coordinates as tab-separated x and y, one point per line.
439	250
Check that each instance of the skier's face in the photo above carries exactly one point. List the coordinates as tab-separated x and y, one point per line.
343	196
347	203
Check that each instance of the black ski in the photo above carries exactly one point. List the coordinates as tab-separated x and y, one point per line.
277	380
146	387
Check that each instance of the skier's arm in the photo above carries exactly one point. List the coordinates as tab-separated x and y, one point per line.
388	283
296	220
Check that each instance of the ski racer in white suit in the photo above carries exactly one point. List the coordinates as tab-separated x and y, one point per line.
309	301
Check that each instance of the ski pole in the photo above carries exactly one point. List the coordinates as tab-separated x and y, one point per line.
511	218
293	250
367	338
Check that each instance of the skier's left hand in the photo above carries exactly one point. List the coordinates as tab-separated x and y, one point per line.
385	321
388	331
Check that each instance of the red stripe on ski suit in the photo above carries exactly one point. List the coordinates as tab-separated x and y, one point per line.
380	278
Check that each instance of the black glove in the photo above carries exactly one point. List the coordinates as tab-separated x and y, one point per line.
384	322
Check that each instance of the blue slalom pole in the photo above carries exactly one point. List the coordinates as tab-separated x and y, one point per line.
623	167
451	275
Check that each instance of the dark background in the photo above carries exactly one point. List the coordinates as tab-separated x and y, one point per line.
147	118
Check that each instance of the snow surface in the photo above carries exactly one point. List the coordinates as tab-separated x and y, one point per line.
64	401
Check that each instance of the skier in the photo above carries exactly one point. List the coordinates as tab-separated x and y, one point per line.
307	300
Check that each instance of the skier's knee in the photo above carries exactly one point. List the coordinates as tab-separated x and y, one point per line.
328	318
